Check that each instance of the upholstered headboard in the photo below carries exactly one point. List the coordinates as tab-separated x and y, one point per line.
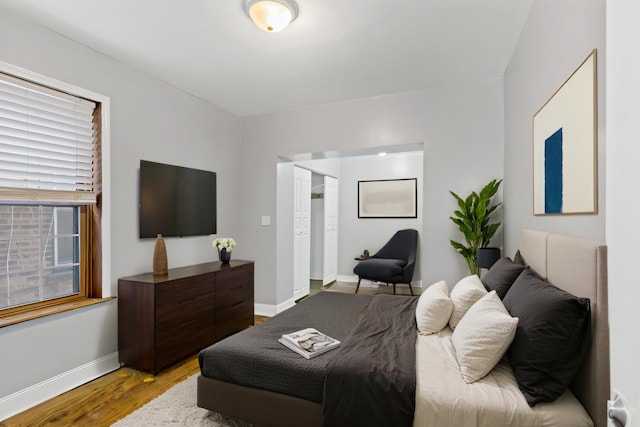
578	266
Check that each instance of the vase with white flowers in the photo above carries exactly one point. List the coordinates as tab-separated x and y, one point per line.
224	245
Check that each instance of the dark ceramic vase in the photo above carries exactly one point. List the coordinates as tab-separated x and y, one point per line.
224	255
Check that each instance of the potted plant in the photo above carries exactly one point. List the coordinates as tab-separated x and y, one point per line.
473	218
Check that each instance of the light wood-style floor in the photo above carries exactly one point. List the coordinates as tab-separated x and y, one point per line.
106	399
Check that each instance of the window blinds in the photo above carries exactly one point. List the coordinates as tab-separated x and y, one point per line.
47	142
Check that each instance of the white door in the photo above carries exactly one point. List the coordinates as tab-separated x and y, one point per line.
301	232
330	242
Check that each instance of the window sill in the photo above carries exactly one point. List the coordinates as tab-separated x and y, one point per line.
13	319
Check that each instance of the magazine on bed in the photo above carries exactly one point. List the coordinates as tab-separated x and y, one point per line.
309	342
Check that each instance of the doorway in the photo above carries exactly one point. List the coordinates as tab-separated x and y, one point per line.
351	234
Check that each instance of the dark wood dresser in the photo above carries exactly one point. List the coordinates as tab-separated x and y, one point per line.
163	319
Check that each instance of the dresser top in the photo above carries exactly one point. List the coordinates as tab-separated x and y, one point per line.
187	271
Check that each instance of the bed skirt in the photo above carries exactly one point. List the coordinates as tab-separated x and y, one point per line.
261	407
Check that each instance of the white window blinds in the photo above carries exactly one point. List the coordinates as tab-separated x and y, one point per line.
47	144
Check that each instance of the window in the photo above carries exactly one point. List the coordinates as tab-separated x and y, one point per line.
39	247
50	178
66	246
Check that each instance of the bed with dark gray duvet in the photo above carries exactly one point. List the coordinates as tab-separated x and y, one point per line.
368	378
385	374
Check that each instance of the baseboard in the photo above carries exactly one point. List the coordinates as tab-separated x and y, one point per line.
33	395
271	310
352	278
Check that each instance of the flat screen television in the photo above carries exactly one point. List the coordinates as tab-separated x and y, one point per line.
176	201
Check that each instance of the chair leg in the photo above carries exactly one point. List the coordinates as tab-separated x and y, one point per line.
410	289
394	288
358	287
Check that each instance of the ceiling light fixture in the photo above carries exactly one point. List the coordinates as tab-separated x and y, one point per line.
271	15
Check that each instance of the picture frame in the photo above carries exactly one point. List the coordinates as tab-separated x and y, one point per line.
565	146
388	198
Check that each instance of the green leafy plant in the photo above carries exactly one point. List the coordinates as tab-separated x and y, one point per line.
473	218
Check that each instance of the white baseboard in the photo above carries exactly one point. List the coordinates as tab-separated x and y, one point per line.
352	278
271	310
33	395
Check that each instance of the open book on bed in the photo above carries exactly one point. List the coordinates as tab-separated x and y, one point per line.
309	342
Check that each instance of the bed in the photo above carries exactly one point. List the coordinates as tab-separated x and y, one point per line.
251	376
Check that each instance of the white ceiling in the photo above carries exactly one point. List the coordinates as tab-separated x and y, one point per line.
335	50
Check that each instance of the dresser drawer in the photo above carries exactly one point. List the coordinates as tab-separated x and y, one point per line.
182	340
233	319
232	295
168	317
185	291
230	276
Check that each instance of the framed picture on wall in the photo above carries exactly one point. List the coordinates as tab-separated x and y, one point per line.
565	147
388	198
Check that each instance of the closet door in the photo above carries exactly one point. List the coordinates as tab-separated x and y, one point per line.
301	232
330	242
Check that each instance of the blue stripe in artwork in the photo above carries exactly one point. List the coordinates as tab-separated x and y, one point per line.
553	173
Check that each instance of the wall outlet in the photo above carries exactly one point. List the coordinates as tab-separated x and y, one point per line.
266	220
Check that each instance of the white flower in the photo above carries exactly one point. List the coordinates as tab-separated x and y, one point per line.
224	242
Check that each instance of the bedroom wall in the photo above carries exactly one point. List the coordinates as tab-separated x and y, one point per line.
356	234
623	175
460	125
149	120
557	37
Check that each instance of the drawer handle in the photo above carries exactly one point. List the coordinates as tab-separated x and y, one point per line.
237	304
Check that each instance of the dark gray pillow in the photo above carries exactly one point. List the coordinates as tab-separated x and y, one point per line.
552	337
501	276
517	258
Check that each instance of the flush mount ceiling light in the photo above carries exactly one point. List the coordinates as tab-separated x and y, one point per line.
271	15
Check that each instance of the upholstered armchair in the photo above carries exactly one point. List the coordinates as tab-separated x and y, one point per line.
393	263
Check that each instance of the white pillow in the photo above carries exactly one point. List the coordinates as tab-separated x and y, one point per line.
434	308
483	337
464	294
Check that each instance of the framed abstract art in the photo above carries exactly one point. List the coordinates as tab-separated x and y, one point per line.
565	146
390	198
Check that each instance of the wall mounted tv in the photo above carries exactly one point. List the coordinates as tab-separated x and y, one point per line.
176	201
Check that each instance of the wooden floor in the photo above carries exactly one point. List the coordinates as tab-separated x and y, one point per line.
106	399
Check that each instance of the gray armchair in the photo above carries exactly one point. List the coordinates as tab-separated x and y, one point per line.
393	263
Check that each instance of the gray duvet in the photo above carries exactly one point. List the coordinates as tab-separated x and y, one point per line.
369	380
255	358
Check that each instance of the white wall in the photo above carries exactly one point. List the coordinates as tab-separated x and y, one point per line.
557	37
356	234
462	129
623	176
149	120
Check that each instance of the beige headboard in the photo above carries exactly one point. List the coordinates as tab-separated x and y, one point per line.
578	266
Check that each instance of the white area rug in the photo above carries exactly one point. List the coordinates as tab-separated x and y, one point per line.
177	407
